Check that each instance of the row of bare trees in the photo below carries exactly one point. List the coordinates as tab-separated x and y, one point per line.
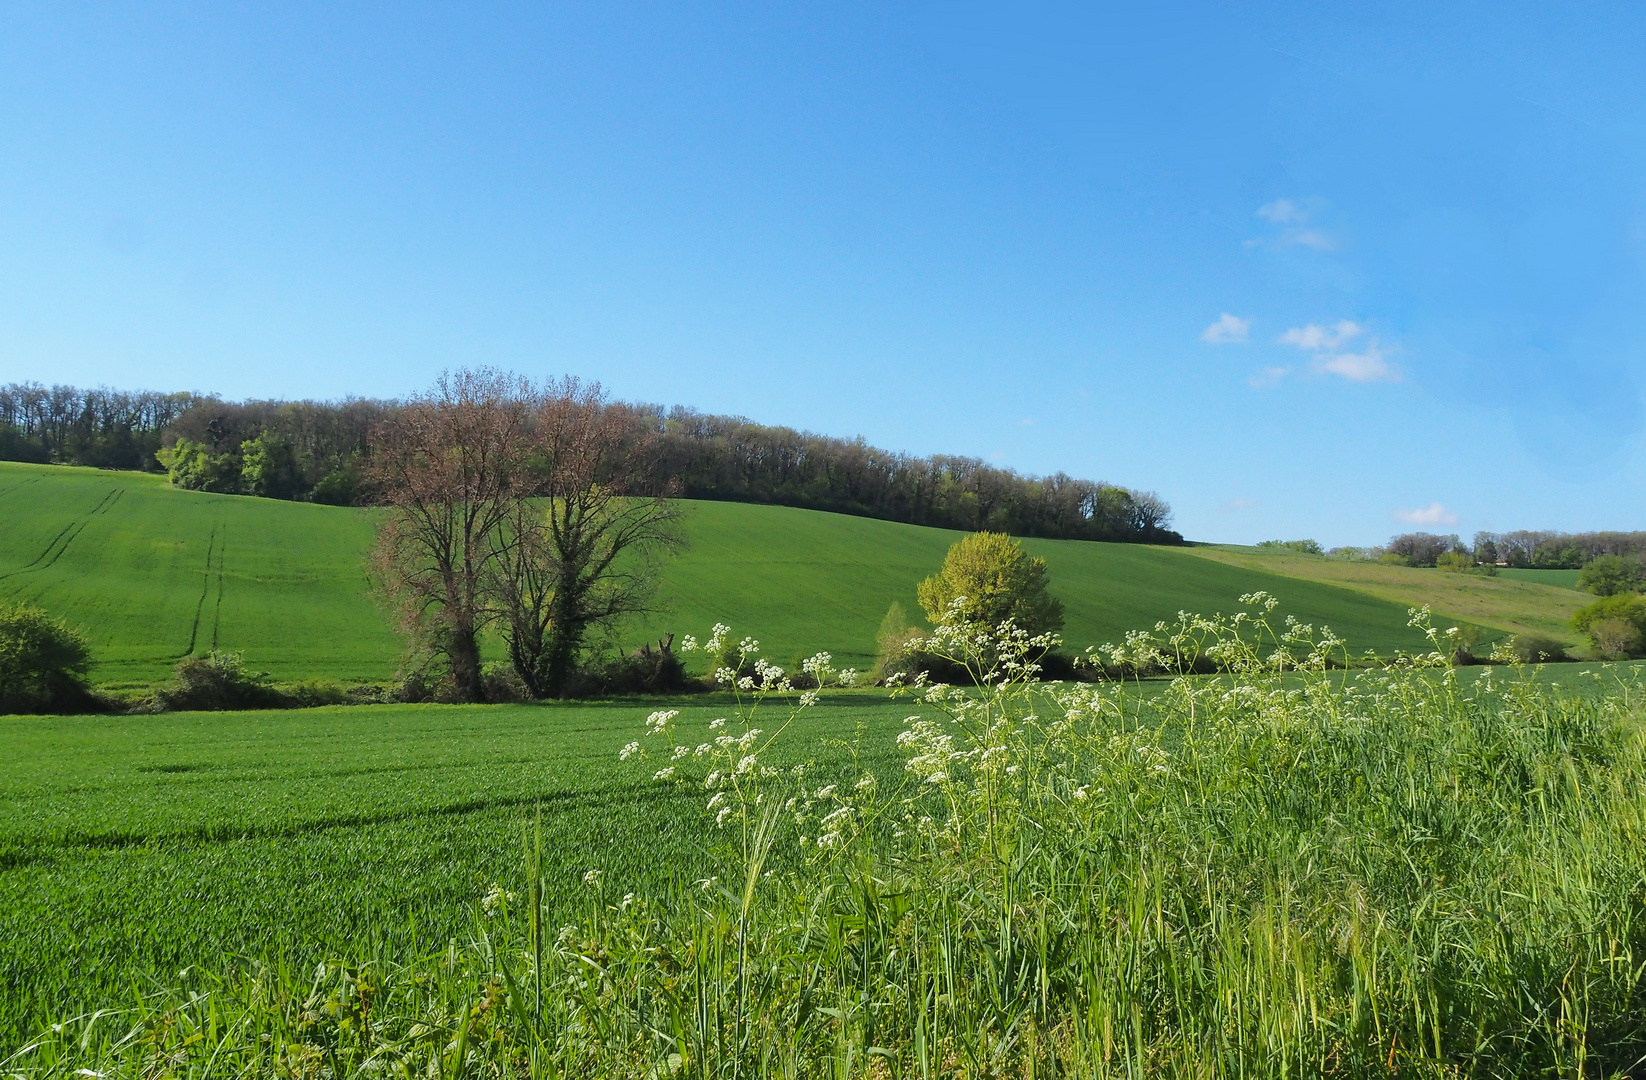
520	507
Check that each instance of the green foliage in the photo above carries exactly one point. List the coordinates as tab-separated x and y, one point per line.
995	580
1020	881
1301	547
1609	575
1394	558
196	467
269	468
1455	562
43	662
218	680
1537	649
1616	624
340	487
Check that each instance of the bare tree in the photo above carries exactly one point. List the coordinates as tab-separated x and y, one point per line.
451	468
586	554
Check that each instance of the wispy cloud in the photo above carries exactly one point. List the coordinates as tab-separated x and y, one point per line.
1234	506
1283	212
1268	376
1433	514
1227	330
1312	238
1315	337
1365	366
1292	217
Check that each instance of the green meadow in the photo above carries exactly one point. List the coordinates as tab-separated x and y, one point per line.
154	574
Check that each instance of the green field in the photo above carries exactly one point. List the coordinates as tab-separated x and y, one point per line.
1514	602
154	574
134	847
1560	579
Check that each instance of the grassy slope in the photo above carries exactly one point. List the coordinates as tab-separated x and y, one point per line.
1561	579
1510	604
150	570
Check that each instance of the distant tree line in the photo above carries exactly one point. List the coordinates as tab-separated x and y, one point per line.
1524	549
319	451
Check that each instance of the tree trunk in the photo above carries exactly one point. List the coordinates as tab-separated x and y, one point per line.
463	650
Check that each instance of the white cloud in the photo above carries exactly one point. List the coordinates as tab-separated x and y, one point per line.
1291	216
1228	329
1314	337
1268	376
1433	514
1366	366
1371	364
1313	238
1283	212
1234	506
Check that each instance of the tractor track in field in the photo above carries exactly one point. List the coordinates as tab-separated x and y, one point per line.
66	536
212	548
20	851
217	611
19	486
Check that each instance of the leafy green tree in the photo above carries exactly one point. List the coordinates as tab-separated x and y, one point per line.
197	467
1455	561
1609	575
999	581
269	468
1608	623
43	662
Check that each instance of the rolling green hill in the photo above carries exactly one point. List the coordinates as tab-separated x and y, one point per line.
1514	602
153	573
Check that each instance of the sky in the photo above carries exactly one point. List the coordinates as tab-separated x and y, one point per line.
1333	271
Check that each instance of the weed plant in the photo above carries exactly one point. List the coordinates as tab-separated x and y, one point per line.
1287	870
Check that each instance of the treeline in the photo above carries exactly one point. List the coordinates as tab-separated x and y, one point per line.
317	451
1524	549
1547	550
109	429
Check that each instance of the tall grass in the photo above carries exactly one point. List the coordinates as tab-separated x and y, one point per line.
1281	871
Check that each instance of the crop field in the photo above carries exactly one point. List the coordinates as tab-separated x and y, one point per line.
154	574
134	847
1560	579
136	850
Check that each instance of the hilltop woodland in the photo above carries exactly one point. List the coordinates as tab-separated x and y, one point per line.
321	451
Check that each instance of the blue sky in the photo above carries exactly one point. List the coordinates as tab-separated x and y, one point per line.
1314	270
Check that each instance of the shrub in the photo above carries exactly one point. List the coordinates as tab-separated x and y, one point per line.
43	663
1455	561
1394	558
1537	649
1609	575
1615	639
1610	640
1302	547
646	670
998	580
340	487
219	681
502	684
314	693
